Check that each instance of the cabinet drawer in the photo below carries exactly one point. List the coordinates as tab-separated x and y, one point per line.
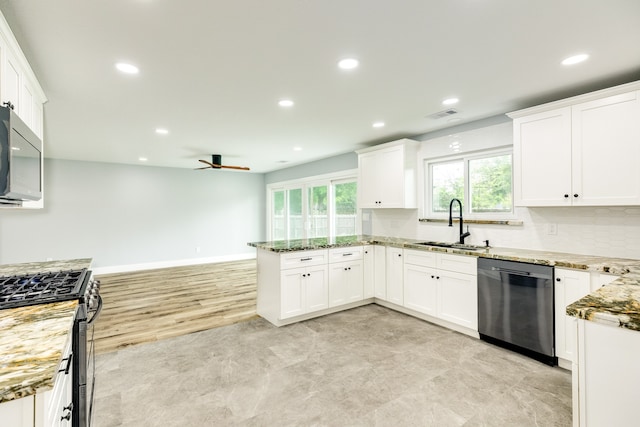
345	254
303	259
421	258
458	263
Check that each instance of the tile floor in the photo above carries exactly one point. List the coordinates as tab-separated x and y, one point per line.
368	366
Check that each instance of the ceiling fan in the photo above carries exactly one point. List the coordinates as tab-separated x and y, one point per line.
216	163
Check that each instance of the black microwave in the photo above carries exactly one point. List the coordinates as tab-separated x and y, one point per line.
20	160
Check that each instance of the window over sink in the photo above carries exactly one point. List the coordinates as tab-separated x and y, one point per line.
481	180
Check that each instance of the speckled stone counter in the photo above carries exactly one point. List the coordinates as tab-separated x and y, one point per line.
32	338
616	304
31	345
44	266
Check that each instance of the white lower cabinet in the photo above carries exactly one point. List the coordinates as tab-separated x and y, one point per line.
346	280
291	284
380	272
420	289
368	272
443	286
458	298
395	272
53	407
304	290
570	286
605	376
17	413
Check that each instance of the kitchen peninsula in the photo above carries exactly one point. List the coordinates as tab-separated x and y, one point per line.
295	283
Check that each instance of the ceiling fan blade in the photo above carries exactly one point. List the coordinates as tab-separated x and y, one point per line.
218	166
211	165
242	168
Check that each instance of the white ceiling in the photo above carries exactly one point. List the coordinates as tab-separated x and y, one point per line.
212	72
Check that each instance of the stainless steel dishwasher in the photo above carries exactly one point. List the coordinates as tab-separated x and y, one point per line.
516	307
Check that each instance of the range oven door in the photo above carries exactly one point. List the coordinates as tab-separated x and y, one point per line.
84	362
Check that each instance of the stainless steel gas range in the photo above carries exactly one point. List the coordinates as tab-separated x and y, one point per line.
47	287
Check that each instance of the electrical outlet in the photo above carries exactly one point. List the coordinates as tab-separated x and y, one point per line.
197	249
552	229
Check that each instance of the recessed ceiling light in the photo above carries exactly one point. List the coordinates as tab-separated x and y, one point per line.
348	63
297	148
142	159
162	131
575	59
285	103
450	101
127	68
378	125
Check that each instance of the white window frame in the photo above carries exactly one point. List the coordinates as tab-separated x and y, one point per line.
465	158
305	183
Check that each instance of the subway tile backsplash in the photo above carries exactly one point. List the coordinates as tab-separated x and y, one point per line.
605	231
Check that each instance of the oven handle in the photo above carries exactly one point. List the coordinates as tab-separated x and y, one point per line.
97	312
66	369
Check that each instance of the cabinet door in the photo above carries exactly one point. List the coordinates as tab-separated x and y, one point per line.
420	289
338	284
395	268
570	286
17	413
606	151
391	177
368	272
380	267
542	159
11	81
368	188
292	298
458	298
355	285
316	288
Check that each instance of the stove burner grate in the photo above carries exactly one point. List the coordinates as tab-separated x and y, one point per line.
41	288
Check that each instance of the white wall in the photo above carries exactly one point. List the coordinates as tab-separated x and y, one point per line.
124	215
604	231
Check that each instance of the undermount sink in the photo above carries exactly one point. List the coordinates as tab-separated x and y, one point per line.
452	246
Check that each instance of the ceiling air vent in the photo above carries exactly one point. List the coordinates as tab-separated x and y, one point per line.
443	114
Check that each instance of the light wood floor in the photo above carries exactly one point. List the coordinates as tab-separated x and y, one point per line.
152	305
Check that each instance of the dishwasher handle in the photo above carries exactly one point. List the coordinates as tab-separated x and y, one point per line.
521	273
509	271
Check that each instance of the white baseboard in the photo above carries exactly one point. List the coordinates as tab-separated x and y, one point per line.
175	263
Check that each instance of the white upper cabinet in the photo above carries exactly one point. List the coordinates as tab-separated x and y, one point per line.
19	86
542	158
387	175
579	152
606	149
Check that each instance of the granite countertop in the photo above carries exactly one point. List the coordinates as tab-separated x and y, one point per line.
616	304
33	338
32	343
44	266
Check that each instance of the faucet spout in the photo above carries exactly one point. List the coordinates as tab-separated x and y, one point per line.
463	235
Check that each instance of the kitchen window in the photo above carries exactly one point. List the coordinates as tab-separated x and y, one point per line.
483	182
315	207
